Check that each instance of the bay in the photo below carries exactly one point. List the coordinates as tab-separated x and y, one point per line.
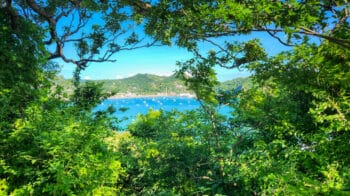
141	105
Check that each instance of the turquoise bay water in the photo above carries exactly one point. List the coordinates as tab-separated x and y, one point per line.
142	105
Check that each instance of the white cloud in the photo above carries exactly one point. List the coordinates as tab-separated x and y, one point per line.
188	74
164	74
131	75
87	78
119	77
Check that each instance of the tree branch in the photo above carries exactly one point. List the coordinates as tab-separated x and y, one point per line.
341	42
52	26
13	14
271	32
278	38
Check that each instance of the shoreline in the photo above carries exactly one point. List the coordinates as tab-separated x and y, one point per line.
133	96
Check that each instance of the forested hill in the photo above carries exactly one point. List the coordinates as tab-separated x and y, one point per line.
234	83
145	84
148	84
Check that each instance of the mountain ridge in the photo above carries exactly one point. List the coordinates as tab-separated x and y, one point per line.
150	84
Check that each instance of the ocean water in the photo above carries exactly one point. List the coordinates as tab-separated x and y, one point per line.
135	106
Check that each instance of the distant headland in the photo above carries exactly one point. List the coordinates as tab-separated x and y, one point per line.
132	95
148	85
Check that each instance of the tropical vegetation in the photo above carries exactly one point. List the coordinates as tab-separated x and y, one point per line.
288	133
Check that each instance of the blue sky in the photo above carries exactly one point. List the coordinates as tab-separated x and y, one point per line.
161	60
156	60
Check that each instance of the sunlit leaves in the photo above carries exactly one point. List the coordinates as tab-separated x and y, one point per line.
200	77
167	149
49	146
60	151
301	99
288	133
147	126
283	20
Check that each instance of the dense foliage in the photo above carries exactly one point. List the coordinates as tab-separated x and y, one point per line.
300	111
287	132
48	146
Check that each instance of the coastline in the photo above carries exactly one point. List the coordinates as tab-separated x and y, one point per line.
133	96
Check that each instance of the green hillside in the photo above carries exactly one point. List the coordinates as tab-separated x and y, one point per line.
234	83
148	84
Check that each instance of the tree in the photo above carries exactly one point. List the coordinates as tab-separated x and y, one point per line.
23	66
47	144
175	153
300	115
189	22
297	112
96	29
288	133
59	150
